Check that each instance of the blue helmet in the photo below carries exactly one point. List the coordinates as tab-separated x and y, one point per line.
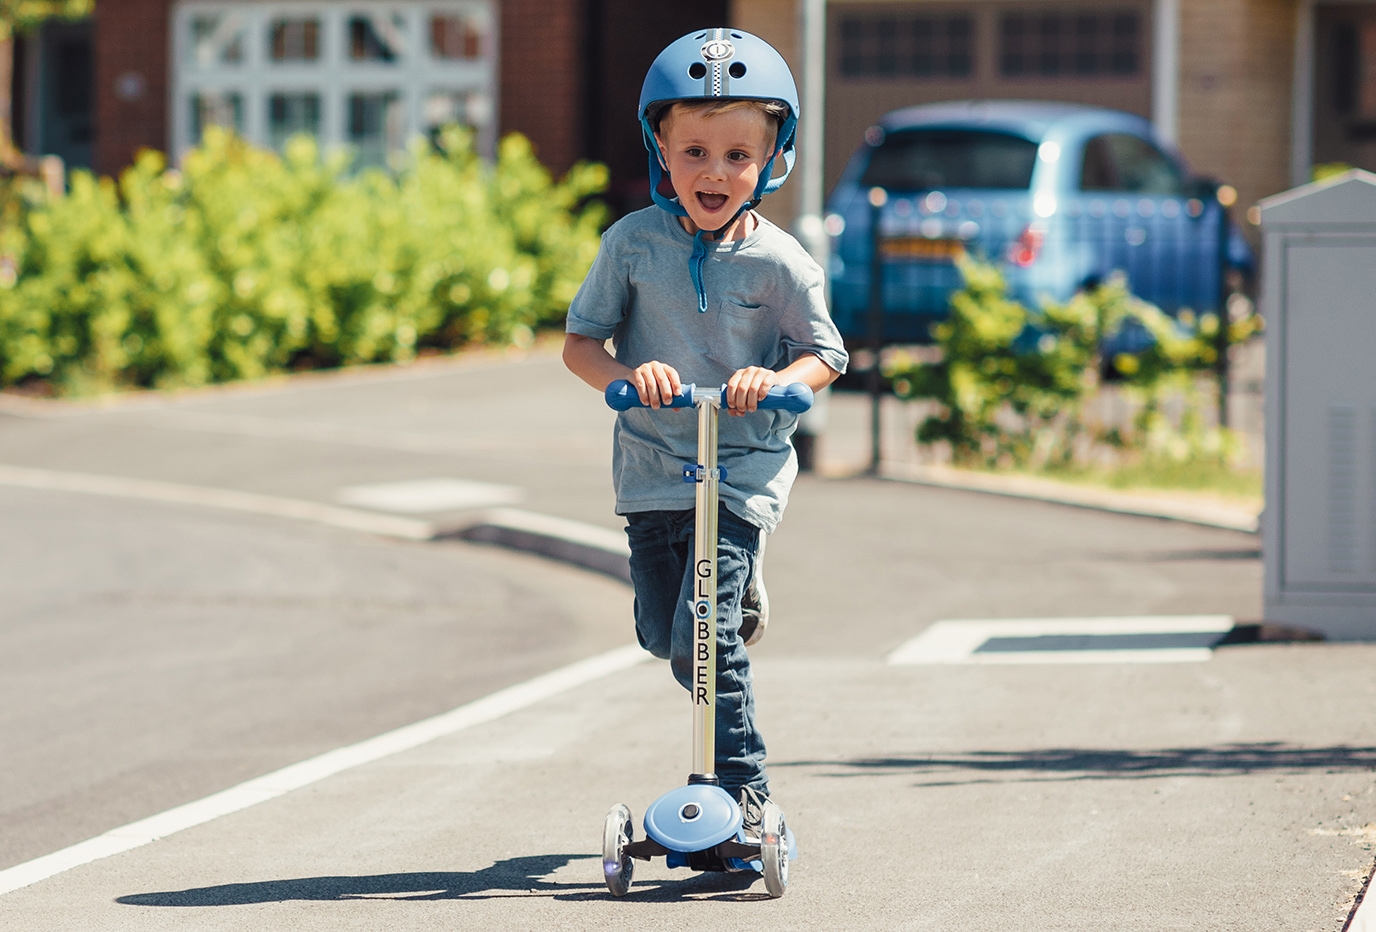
720	63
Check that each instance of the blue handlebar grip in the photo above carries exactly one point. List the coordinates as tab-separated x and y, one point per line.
796	398
622	396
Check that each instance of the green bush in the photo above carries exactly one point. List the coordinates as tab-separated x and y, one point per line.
245	263
1011	382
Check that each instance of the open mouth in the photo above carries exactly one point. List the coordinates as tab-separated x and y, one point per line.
711	201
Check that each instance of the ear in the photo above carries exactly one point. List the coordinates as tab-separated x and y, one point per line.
662	151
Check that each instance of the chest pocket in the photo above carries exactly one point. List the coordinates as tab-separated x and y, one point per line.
743	335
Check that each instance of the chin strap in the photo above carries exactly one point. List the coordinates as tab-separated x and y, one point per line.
695	264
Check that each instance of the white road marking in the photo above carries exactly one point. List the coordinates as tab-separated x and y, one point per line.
224	499
957	642
421	495
295	776
1365	918
597	548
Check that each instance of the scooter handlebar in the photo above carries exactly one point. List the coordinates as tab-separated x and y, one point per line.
622	396
796	397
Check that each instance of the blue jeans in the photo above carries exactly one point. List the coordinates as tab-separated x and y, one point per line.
662	573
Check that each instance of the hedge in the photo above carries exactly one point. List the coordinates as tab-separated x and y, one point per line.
244	262
1011	382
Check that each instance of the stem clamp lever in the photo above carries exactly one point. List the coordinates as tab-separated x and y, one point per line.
696	472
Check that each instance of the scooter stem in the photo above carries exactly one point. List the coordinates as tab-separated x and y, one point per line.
622	396
704	687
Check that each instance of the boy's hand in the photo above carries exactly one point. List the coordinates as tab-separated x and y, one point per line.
747	388
656	383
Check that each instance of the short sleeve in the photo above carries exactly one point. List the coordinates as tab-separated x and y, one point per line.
600	304
806	326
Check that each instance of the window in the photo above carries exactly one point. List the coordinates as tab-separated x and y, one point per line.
217	40
376	126
1059	43
294	40
455	37
377	37
367	74
216	109
289	114
917	160
907	46
471	108
1119	162
1353	85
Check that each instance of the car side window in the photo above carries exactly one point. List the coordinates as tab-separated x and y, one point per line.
1098	173
1121	162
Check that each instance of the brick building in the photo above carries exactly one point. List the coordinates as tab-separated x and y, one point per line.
1256	92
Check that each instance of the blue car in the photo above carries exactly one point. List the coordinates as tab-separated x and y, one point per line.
1060	196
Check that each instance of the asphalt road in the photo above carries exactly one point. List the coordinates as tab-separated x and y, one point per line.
151	654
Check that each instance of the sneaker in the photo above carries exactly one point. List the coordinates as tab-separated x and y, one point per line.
752	812
755	602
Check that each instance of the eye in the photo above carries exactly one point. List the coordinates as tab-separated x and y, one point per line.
693	152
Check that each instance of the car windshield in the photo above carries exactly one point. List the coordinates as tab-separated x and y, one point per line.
918	159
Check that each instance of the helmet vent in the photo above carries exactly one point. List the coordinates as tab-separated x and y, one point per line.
737	35
701	35
697	71
737	69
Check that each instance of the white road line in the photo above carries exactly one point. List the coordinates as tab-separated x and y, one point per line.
956	642
596	548
1364	920
277	783
417	496
224	499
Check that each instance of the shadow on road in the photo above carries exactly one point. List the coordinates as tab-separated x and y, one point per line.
1067	764
510	877
1179	556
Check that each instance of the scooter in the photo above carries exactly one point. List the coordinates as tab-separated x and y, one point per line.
699	825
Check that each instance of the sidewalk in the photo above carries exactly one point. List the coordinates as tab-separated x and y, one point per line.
845	451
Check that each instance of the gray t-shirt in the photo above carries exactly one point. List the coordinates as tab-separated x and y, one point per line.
765	308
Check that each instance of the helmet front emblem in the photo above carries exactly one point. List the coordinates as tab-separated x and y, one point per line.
718	50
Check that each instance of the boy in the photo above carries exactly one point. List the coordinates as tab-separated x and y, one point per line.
717	108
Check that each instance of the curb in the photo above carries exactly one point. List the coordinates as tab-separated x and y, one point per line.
592	548
1208	514
599	549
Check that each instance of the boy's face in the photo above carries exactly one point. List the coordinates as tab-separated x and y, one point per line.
714	161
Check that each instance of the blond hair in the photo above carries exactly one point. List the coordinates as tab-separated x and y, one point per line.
776	110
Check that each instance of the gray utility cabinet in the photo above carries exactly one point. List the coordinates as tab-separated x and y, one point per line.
1319	302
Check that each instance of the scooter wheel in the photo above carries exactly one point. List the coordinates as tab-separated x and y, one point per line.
617	865
774	850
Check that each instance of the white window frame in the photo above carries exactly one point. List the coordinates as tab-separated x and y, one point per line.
333	76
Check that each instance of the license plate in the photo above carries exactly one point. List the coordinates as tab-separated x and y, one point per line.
919	247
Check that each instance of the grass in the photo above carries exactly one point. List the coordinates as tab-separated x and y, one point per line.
1197	477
